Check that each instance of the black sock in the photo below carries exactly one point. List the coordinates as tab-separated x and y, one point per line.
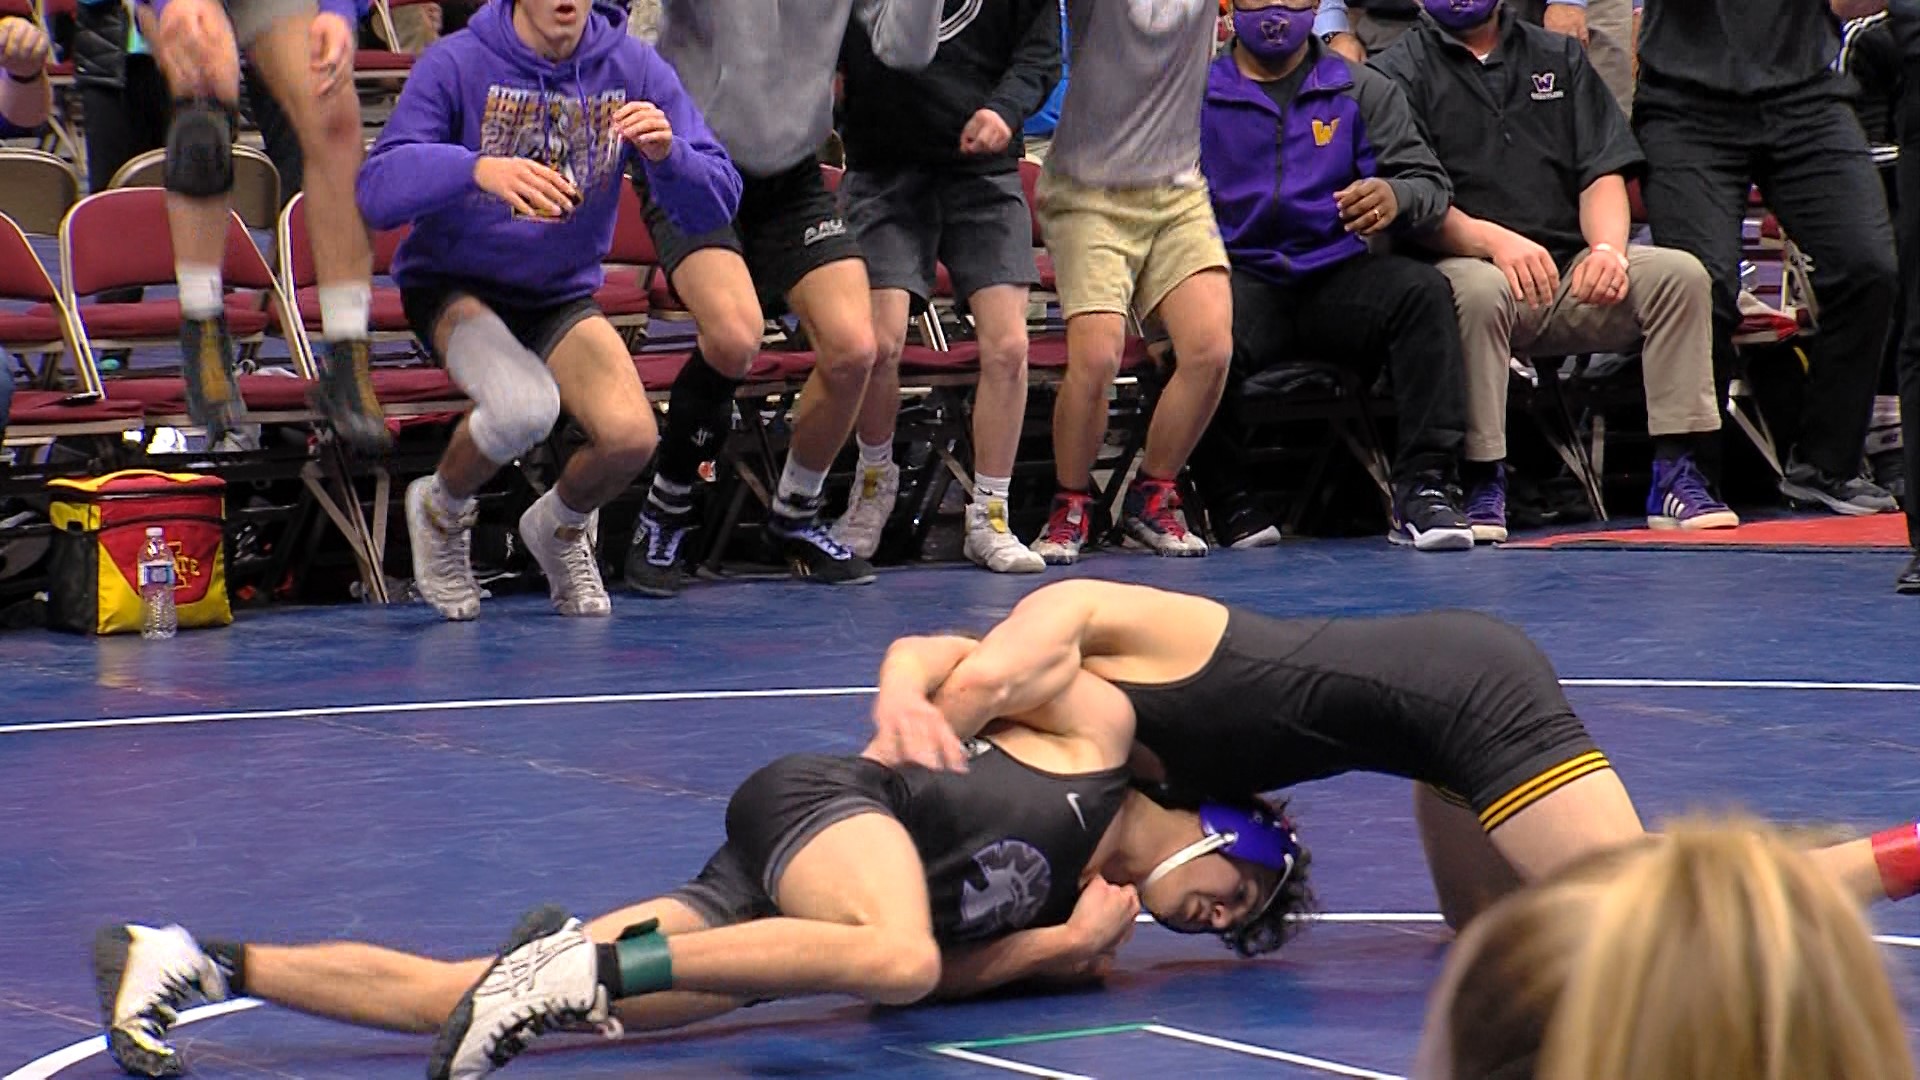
231	958
698	415
607	971
1477	472
1671	447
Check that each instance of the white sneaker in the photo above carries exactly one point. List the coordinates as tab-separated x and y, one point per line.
144	976
992	545
546	979
565	554
442	552
859	529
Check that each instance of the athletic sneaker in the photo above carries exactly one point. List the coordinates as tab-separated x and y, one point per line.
1151	519
345	397
1060	542
1240	525
1487	507
206	363
565	554
545	979
990	543
1908	583
655	566
144	977
1426	519
1679	499
812	552
868	511
442	552
1808	487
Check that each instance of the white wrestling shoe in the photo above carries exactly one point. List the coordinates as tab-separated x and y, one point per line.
868	510
991	544
442	545
545	979
144	977
565	554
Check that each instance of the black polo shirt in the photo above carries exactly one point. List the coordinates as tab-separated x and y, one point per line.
1522	135
1736	47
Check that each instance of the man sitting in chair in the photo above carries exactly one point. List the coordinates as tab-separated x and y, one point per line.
26	98
1538	152
1304	282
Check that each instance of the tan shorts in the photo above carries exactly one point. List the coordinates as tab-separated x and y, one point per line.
1124	249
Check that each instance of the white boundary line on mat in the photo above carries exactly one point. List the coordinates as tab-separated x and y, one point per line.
1251	1050
653	697
1007	1064
42	1068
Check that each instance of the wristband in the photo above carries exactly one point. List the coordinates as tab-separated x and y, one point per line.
1896	854
1615	252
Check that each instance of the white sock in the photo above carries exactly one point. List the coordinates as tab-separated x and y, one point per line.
437	492
344	311
567	515
799	487
989	488
199	290
875	456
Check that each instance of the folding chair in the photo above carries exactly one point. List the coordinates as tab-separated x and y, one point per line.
36	189
387	319
623	298
256	183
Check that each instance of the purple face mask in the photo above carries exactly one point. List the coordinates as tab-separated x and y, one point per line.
1458	15
1272	33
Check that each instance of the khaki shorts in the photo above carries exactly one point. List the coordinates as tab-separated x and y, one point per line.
1124	249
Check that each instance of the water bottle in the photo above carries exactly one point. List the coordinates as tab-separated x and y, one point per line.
158	619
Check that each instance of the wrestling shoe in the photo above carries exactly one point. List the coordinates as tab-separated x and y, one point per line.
442	543
991	544
1060	542
565	554
812	552
1426	519
1151	518
868	511
206	364
345	397
1679	499
1487	507
144	977
545	979
655	566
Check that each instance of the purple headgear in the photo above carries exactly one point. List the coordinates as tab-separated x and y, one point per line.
1249	834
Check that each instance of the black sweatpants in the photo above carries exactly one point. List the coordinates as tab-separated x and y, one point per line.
1805	151
1369	311
1909	356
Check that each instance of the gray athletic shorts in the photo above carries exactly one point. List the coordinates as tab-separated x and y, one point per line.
252	18
907	219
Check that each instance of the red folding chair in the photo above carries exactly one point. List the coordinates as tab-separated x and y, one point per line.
623	298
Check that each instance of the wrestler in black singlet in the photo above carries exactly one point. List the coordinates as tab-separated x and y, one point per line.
1455	699
1003	844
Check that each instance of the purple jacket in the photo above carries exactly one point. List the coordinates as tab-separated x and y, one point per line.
483	93
1273	172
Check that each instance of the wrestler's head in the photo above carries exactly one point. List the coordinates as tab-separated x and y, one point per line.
1242	879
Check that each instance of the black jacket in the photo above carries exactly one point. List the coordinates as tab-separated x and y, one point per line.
1736	48
99	49
1002	55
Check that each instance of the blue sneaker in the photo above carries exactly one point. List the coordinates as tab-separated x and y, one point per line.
1487	507
1679	499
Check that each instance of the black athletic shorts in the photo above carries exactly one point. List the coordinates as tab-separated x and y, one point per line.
788	226
540	328
773	815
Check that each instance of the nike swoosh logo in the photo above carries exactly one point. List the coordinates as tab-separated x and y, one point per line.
1073	800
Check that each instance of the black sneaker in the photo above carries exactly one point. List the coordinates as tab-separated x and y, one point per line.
655	566
1909	581
206	362
812	552
1809	487
1240	525
1426	518
345	397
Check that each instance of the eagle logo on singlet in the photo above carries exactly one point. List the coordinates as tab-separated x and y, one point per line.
1011	887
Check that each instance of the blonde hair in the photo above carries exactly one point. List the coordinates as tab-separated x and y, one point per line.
1712	952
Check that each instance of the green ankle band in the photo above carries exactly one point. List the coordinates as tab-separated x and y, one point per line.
645	964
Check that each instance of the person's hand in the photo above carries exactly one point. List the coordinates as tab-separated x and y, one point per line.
911	730
194	45
1600	279
1368	206
1102	921
23	48
330	51
645	126
528	186
986	133
1532	276
1568	19
1347	44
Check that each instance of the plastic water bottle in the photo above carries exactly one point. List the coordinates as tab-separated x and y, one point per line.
159	619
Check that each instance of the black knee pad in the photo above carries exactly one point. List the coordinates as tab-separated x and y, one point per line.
200	149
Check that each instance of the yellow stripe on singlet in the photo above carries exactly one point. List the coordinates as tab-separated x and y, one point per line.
1541	786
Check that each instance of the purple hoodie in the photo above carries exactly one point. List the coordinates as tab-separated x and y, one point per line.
484	92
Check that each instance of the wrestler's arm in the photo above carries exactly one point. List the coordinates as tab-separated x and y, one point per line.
1049	954
1025	662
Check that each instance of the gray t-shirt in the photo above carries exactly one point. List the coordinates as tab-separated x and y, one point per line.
1132	113
762	70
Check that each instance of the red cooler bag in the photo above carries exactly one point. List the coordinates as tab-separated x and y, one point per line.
100	525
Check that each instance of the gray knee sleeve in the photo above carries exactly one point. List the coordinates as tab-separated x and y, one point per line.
200	149
515	400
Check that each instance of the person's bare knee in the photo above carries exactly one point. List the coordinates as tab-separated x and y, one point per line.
906	966
1093	352
1003	352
